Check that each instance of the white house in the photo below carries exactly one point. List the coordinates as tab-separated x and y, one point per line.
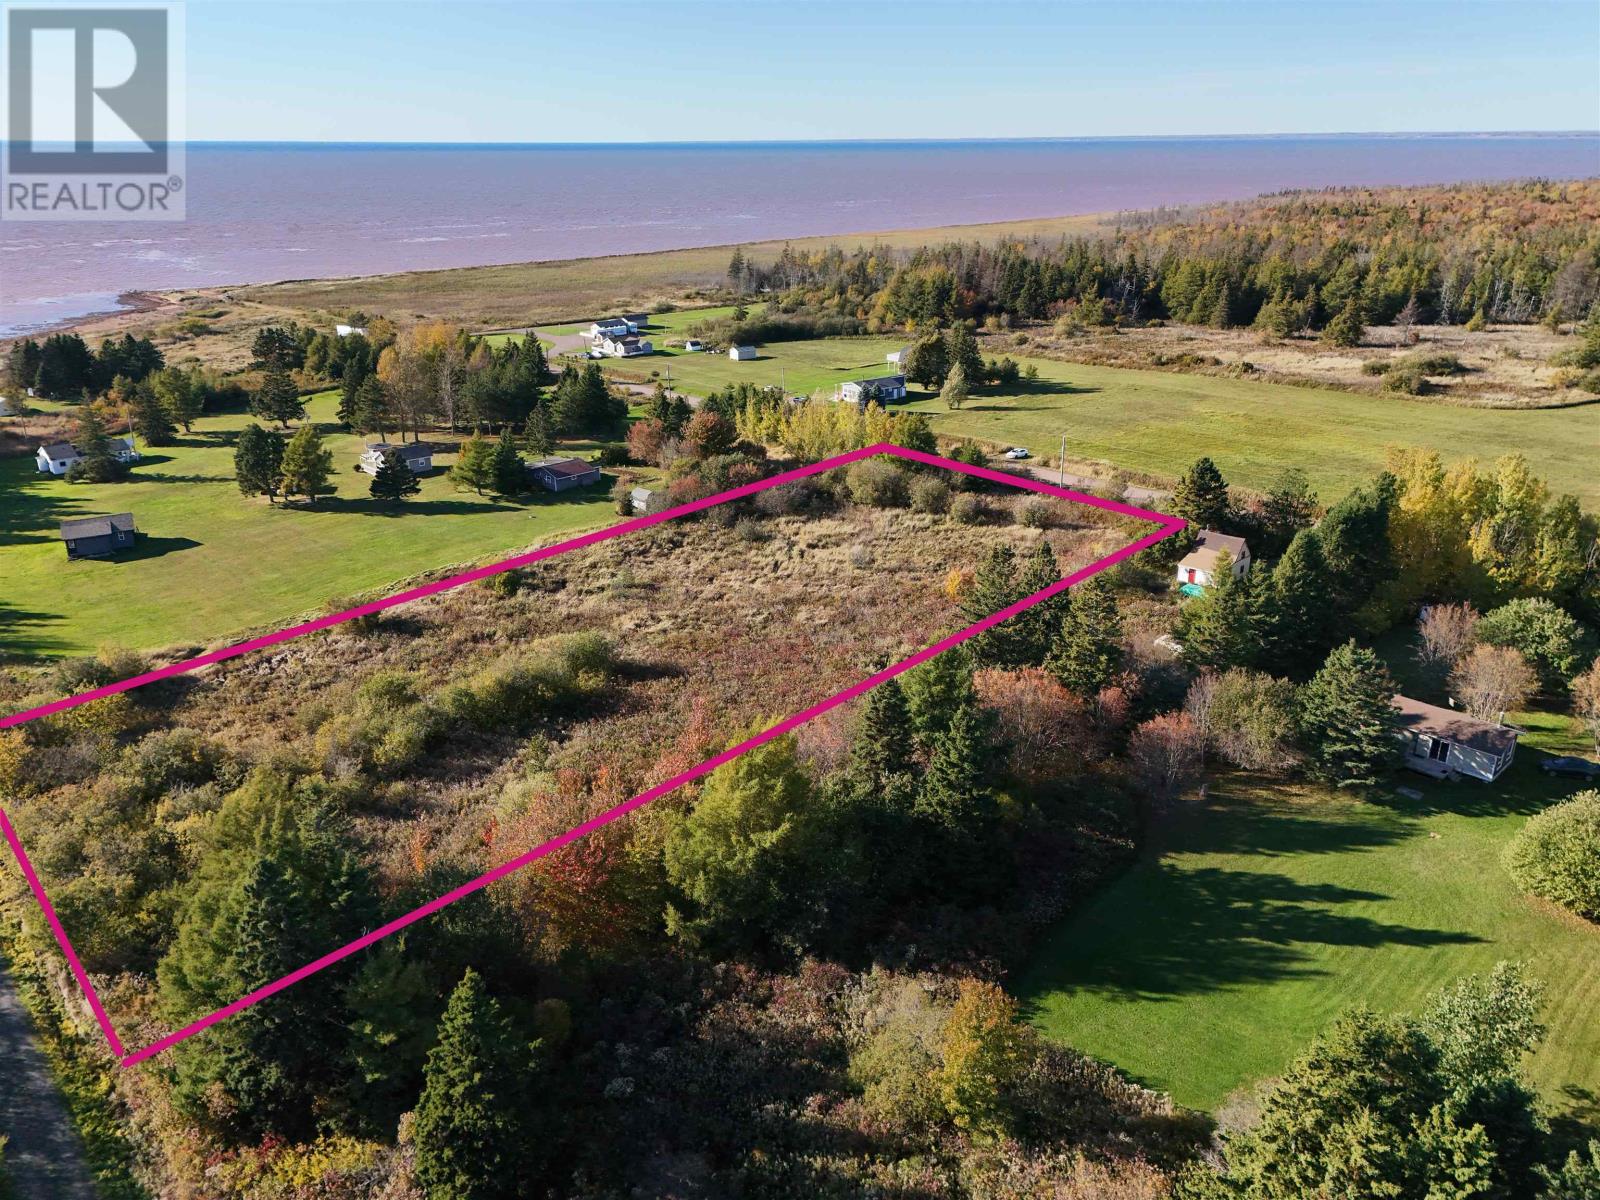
1198	566
418	456
58	457
621	347
611	327
883	389
1444	743
637	322
347	330
741	353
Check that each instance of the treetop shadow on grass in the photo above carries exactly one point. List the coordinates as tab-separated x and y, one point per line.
19	632
1211	929
1522	791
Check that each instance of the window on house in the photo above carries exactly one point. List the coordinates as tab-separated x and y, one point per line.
1440	750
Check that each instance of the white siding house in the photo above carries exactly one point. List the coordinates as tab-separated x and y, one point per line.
346	330
621	347
883	389
58	457
418	456
1199	565
1445	744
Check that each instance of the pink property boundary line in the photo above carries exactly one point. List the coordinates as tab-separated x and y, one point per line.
1168	526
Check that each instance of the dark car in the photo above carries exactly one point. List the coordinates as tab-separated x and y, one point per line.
1578	768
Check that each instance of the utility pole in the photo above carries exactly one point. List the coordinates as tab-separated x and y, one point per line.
1061	461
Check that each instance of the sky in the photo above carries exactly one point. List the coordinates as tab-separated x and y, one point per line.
414	70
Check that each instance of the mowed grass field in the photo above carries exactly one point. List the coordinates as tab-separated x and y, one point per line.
1258	915
1160	422
211	563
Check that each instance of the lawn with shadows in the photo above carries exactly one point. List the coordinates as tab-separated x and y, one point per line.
1259	914
210	563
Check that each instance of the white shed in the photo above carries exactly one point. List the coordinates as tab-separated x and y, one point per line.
741	353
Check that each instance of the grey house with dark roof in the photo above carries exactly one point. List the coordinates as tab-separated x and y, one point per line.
559	474
98	537
1444	743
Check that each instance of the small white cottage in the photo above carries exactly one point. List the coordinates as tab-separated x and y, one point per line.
1445	744
883	389
417	456
741	353
1197	567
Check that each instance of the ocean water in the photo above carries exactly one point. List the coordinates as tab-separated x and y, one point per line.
268	212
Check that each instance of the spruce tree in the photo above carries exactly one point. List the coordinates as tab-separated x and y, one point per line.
963	352
536	433
934	690
510	477
469	1131
1035	630
369	410
954	793
1222	628
278	399
1349	325
1346	718
994	586
1201	497
1087	649
98	464
1300	620
474	467
306	465
258	462
150	417
881	747
393	480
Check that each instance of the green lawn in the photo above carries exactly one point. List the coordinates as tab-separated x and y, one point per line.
1160	422
1257	916
211	563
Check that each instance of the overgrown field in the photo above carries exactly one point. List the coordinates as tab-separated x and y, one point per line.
1258	914
211	562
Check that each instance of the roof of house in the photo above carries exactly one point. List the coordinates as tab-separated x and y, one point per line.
118	445
879	381
407	450
1446	723
742	349
1211	546
59	449
563	467
84	527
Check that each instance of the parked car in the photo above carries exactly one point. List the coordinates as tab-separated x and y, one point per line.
1578	768
1017	452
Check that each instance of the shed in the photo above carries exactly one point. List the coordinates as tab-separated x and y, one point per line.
560	474
901	358
1197	567
56	458
1444	743
641	499
741	353
97	537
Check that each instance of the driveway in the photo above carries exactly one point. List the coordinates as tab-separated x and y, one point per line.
44	1157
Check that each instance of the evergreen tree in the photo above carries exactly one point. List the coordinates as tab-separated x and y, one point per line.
369	411
1201	497
306	465
391	1030
150	417
1349	325
736	271
671	410
393	480
963	352
881	747
1347	720
954	792
1300	623
994	587
258	462
1288	508
582	403
929	362
1087	649
1356	544
510	476
1223	627
956	390
536	434
474	467
469	1131
1035	629
278	399
98	464
178	395
935	689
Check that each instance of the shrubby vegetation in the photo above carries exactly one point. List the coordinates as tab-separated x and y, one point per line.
1556	855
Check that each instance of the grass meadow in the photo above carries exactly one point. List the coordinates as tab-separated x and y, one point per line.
211	563
1256	916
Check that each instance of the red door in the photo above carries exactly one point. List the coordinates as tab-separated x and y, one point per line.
1191	574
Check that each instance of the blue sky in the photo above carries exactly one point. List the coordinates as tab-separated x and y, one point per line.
409	70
